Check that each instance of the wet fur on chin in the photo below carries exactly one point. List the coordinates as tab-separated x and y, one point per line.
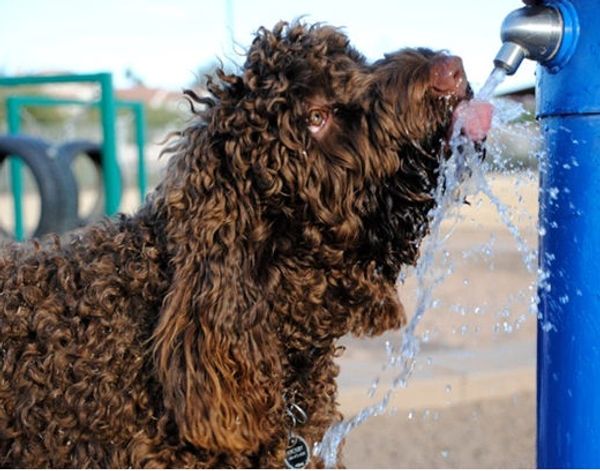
169	338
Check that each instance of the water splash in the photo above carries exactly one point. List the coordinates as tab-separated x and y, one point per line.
461	175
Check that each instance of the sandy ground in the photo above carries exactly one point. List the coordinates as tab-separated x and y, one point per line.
483	317
481	313
482	434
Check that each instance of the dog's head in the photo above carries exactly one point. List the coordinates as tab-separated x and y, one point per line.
338	150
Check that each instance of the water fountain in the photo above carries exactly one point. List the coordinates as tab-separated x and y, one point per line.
563	37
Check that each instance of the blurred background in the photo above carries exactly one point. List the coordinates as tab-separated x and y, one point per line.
470	402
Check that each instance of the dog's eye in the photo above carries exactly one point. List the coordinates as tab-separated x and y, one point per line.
316	120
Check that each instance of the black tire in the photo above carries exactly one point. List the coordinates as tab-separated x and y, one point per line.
66	153
58	194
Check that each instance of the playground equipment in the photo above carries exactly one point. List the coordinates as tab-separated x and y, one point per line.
105	160
568	107
66	153
57	190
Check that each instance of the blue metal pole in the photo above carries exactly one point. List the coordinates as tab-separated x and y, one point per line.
568	411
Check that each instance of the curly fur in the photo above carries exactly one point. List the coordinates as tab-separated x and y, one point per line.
169	338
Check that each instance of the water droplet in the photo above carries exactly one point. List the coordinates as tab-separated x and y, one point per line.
547	326
448	388
564	299
373	388
445	453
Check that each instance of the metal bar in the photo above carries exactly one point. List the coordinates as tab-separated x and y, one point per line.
32	100
16	173
45	79
140	137
112	182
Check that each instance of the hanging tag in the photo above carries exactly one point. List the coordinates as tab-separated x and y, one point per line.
297	453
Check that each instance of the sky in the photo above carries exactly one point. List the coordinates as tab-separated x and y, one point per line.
165	42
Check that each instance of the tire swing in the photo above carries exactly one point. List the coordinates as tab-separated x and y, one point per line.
57	190
65	157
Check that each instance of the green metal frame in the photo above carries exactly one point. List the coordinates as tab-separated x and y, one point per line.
15	103
107	104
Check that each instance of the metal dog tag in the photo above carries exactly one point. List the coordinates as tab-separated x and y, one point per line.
297	453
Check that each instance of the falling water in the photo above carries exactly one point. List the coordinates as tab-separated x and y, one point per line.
496	78
462	175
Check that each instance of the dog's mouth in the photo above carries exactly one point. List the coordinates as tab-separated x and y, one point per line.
396	215
474	118
448	82
398	220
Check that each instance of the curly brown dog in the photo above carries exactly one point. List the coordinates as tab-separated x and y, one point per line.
188	334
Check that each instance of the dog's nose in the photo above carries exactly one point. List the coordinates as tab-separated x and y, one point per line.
448	76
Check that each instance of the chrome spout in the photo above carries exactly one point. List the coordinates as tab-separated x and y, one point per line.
532	32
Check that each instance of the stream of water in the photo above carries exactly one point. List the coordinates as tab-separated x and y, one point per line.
464	174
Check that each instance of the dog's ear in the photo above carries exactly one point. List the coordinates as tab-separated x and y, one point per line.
214	342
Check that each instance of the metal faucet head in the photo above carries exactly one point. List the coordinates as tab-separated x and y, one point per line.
509	57
533	32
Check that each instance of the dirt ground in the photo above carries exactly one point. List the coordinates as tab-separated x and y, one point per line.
483	434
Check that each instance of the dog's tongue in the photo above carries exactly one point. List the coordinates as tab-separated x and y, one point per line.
474	117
